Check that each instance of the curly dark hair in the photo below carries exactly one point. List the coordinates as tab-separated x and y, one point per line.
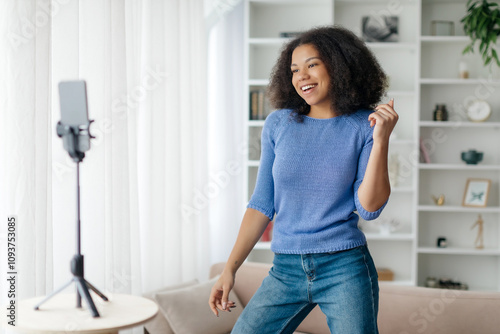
357	80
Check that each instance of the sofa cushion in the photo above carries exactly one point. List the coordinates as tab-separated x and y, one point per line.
187	310
159	325
412	309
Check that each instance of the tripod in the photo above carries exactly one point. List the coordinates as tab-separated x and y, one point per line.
70	136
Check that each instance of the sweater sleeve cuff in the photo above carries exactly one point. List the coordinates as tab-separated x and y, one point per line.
367	215
269	213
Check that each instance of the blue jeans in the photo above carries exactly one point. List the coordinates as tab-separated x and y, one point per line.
344	284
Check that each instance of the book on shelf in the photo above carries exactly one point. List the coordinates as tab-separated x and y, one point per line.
424	154
259	105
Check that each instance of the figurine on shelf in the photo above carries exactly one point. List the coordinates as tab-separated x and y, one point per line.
441	242
463	70
438	200
479	243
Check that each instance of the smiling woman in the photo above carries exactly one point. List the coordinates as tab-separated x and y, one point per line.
350	65
323	157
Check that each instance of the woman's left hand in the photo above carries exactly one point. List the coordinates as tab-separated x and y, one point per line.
385	119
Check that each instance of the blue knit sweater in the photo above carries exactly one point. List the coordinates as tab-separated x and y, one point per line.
309	175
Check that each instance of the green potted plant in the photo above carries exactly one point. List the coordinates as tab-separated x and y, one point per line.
482	24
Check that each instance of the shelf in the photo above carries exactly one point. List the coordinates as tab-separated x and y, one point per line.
445	39
253	163
263	245
268	41
402	190
258	82
451	208
390	237
392	93
459	251
401	142
433	166
392	46
256	123
451	81
397	282
464	124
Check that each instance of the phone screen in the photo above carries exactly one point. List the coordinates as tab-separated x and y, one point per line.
73	100
74	114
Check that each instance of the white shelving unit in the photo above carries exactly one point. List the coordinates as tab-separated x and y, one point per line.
447	174
423	72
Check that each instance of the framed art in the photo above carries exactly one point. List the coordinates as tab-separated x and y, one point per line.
378	28
476	192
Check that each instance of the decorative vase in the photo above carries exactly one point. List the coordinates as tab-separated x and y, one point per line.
472	157
440	113
463	70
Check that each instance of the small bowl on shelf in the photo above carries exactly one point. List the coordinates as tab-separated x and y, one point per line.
472	157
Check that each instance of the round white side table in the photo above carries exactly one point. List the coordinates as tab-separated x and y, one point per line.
60	315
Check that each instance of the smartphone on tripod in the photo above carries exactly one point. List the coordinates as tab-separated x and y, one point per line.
74	114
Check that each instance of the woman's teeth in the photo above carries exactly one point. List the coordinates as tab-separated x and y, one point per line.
304	88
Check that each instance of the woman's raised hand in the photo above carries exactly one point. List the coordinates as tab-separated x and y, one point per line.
385	119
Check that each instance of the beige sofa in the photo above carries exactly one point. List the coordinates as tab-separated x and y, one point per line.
403	309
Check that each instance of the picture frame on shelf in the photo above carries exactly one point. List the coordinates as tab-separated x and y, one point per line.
476	193
380	28
442	28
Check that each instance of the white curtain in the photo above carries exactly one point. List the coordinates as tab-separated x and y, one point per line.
25	144
226	120
145	67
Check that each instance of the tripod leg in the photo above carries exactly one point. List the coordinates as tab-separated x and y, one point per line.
84	292
78	299
37	306
99	293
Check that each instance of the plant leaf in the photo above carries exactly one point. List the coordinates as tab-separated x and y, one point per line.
482	23
482	46
473	23
467	49
471	7
484	34
492	37
495	55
